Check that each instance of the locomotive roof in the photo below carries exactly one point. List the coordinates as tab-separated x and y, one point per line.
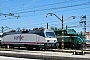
23	32
34	31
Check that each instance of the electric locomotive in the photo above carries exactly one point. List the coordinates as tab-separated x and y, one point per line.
38	38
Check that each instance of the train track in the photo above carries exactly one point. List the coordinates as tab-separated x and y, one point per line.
86	51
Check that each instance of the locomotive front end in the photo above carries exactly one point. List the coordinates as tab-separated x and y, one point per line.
51	40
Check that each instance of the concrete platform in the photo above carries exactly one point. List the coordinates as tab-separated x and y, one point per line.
86	51
45	55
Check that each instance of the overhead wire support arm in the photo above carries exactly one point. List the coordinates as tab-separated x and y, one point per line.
54	15
10	14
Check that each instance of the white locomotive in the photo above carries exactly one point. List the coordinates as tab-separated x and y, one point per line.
36	38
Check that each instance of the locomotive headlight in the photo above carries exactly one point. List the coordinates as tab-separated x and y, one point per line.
48	40
54	40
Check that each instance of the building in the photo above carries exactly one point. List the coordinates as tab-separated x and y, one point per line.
88	38
87	35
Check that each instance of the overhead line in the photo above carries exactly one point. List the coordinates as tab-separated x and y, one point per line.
5	1
49	4
54	8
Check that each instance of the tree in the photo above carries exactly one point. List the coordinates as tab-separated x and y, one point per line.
53	28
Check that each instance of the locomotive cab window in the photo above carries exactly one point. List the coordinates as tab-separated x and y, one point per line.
50	35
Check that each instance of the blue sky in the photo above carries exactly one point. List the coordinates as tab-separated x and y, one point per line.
33	13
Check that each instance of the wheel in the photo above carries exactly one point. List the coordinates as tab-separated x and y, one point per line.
45	46
37	48
29	47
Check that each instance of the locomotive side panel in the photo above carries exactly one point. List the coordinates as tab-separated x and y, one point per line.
22	39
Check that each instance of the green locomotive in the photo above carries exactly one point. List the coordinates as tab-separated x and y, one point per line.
71	38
